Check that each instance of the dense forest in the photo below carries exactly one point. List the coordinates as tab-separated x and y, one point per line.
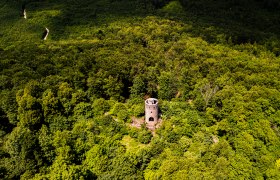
67	102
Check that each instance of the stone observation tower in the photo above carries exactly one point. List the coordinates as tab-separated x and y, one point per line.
151	111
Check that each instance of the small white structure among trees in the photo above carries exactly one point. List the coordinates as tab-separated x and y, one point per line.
46	33
23	11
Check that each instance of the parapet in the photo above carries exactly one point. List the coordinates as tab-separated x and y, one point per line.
151	101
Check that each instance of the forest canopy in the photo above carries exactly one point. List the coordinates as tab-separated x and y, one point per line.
67	102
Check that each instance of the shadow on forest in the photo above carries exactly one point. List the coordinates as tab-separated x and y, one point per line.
231	21
94	13
246	21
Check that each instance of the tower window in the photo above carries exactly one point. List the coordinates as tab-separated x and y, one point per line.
151	119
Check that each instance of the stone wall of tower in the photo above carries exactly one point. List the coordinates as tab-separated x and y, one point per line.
151	111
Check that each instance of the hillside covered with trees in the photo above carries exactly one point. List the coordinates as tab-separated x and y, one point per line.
67	102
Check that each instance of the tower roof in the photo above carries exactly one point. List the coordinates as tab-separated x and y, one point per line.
151	101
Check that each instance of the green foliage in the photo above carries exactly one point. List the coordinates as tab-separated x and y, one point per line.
138	110
58	122
173	8
83	109
167	86
143	135
45	142
100	106
120	110
22	148
67	102
50	103
29	107
138	88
